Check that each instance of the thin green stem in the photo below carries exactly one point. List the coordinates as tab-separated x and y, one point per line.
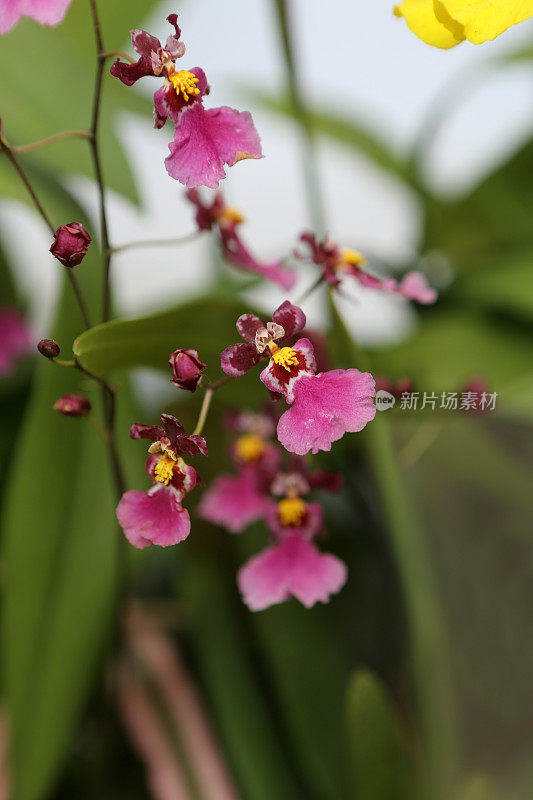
170	242
39	206
98	172
311	176
210	389
55	137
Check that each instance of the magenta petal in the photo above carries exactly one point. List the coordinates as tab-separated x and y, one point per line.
415	286
291	318
248	325
237	359
154	517
47	12
144	43
206	140
233	501
151	432
278	379
294	567
15	338
238	254
326	407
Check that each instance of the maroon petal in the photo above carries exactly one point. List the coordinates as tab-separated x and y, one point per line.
144	43
152	432
192	445
328	481
247	325
291	318
237	359
173	19
130	73
173	426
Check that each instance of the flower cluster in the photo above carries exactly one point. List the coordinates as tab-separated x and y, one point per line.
324	406
226	220
204	139
157	516
336	263
292	566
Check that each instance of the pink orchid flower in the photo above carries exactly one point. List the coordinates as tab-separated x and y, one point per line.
325	406
47	12
336	263
15	339
226	220
157	516
293	566
204	139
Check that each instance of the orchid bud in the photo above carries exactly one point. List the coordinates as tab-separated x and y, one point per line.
73	405
186	369
49	348
70	244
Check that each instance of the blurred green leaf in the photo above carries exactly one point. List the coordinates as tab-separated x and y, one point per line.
145	341
451	347
56	93
252	744
503	283
381	766
350	133
308	672
477	788
59	544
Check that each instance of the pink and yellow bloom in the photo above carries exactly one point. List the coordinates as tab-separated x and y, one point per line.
204	139
227	220
47	12
157	516
336	263
325	406
15	339
292	566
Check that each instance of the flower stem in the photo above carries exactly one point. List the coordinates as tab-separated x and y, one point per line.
312	180
176	240
38	205
210	389
55	137
310	290
119	53
98	172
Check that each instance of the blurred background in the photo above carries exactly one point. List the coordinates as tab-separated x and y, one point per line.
415	681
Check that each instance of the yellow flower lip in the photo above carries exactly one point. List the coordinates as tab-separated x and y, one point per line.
164	469
184	83
286	358
353	258
249	447
291	510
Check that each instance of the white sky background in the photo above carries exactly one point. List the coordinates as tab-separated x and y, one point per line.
355	58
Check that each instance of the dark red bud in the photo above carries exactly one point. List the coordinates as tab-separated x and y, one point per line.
186	369
70	244
73	405
48	348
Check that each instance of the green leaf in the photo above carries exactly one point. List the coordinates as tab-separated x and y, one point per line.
351	133
59	544
250	740
477	788
381	766
504	283
55	93
308	671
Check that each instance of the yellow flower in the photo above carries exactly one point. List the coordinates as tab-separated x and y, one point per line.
445	23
